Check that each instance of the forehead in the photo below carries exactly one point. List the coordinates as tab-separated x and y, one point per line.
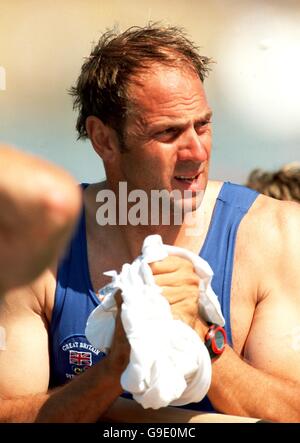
166	90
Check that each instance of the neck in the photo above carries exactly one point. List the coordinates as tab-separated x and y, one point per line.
129	238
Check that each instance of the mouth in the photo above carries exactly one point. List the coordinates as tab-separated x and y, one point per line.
193	180
187	178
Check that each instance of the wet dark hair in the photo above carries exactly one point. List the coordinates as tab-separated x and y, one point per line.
102	86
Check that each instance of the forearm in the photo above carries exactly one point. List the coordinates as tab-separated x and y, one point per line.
87	397
84	400
240	389
22	409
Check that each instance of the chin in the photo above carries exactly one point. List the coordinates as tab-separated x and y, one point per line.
188	203
184	208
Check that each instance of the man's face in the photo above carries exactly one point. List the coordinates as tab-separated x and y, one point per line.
167	133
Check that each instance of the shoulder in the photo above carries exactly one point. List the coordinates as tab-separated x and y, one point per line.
35	299
271	220
269	240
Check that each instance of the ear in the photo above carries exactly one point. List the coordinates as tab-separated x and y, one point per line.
103	138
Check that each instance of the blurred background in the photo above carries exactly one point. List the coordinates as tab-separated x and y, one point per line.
253	89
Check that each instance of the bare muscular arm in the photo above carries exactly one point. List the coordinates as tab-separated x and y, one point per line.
265	382
24	367
39	204
260	376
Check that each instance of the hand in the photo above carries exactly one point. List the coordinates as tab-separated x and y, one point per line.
120	348
180	285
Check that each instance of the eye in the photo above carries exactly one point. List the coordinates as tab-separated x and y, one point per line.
167	135
202	126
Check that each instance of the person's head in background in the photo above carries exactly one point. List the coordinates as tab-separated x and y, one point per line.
283	184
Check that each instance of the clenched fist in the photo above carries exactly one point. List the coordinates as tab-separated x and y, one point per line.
180	285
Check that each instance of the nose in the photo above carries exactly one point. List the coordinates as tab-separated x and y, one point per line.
193	146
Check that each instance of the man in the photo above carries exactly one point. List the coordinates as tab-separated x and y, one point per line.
142	104
39	204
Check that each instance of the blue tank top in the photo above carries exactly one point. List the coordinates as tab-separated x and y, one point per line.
70	351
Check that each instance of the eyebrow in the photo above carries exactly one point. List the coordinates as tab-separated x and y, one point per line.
206	116
173	122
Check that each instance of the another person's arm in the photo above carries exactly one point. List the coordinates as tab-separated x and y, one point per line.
39	204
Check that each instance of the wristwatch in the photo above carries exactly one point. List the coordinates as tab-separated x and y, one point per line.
215	340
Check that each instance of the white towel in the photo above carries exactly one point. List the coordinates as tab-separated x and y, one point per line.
169	364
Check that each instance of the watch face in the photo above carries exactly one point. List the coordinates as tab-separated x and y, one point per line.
215	340
219	339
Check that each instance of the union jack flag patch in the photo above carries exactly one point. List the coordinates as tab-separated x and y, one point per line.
80	358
